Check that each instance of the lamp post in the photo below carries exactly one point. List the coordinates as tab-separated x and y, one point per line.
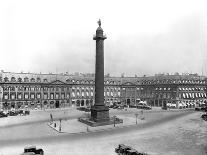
136	117
114	120
60	126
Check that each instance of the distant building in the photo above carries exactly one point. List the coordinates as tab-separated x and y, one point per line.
63	90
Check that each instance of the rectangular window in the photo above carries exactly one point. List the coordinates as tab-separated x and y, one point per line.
12	96
45	96
5	96
51	96
68	95
38	96
19	96
26	96
32	96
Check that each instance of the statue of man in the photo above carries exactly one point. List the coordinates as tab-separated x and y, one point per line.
99	23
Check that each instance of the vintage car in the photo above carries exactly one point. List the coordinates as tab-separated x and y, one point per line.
121	149
3	114
13	112
23	112
32	151
143	106
127	150
204	117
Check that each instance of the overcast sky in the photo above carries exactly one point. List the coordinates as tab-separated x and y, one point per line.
143	37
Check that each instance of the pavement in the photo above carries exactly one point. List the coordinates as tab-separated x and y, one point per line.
171	133
73	126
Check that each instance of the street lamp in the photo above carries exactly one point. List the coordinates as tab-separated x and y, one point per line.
136	117
114	120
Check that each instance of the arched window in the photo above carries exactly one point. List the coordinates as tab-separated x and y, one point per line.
26	79
32	80
13	79
19	79
38	79
6	79
45	80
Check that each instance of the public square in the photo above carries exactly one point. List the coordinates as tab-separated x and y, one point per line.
171	132
103	77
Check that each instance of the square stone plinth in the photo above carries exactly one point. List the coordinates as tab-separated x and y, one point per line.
92	123
100	117
99	113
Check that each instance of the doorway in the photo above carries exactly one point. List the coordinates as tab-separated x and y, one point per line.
57	104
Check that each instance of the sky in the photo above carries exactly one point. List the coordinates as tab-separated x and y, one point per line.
143	37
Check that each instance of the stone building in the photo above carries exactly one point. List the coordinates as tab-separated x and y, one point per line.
63	90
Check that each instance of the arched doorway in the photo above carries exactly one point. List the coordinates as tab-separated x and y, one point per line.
57	104
91	102
52	104
156	103
128	102
87	103
12	105
78	103
45	104
82	103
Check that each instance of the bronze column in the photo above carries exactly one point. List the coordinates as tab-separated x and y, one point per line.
99	112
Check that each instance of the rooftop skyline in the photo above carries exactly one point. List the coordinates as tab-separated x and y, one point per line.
144	37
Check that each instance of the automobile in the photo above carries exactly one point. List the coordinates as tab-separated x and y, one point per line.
121	149
13	112
27	112
204	108
3	114
143	106
23	112
197	108
204	116
127	150
32	151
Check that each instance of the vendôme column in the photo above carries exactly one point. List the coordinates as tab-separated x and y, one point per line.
99	112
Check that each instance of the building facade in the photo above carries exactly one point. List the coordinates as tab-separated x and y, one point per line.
18	90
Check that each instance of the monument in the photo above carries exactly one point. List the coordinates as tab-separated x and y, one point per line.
99	111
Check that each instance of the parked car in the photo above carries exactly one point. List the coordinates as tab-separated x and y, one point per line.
3	114
143	106
32	151
13	112
23	112
197	108
127	150
204	116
